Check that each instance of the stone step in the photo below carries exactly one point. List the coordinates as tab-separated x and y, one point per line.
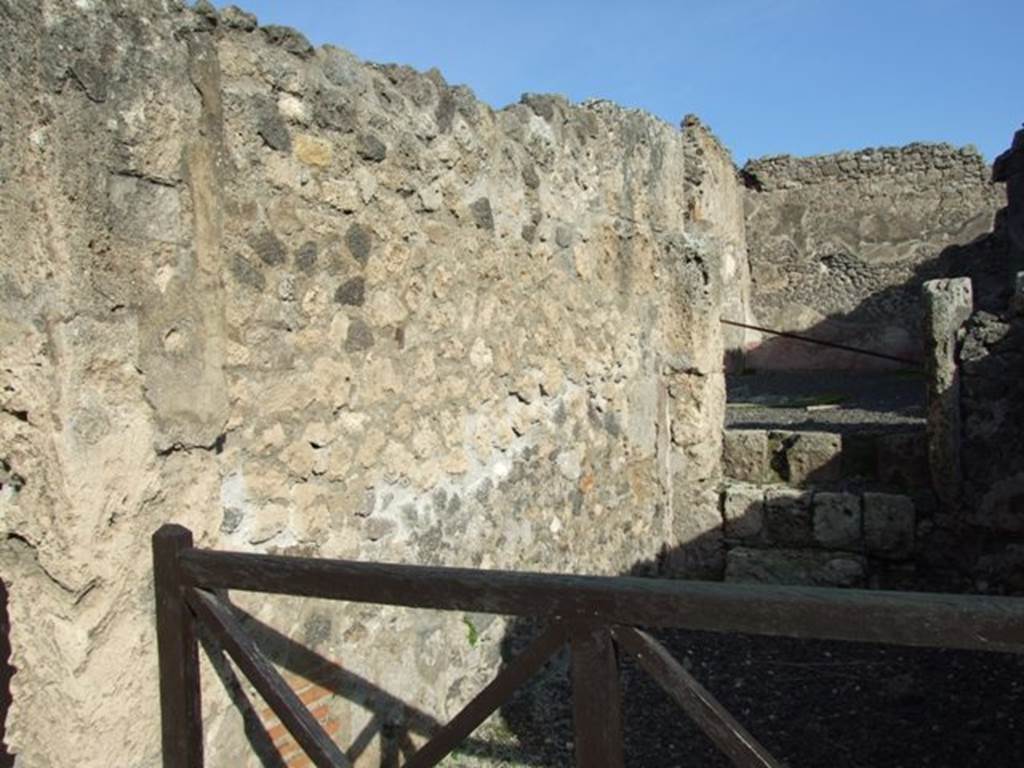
784	535
804	459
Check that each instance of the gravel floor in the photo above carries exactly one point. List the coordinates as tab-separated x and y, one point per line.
812	704
893	402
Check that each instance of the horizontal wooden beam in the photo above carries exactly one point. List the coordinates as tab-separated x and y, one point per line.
900	618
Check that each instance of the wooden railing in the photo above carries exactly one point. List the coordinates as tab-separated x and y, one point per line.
596	616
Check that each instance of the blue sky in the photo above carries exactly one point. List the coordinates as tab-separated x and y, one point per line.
769	76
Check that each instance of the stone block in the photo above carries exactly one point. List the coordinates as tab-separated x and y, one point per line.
903	461
745	454
889	521
860	455
812	457
795	567
947	306
787	517
743	510
837	520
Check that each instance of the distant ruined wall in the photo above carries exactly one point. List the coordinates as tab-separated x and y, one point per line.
839	246
303	304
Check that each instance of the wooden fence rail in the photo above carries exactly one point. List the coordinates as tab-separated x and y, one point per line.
594	615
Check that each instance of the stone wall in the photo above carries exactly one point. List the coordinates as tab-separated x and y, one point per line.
827	509
991	358
840	245
715	206
308	305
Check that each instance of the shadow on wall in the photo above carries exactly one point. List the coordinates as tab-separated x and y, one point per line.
881	321
992	451
811	703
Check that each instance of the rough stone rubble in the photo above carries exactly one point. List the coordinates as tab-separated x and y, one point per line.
309	305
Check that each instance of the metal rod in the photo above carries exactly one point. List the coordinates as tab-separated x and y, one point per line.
808	340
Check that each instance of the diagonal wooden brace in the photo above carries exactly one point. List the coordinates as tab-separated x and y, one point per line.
219	617
711	717
490	698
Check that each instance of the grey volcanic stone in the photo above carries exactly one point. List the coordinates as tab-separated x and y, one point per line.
205	9
333	110
360	242
305	256
359	337
813	457
270	250
232	519
482	215
787	517
530	177
745	454
351	292
795	567
272	129
235	18
743	510
837	520
246	274
289	39
142	209
370	148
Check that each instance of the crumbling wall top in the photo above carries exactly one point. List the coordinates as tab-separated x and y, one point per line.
917	162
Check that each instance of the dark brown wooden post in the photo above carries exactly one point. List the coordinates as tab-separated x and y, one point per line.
596	699
180	710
